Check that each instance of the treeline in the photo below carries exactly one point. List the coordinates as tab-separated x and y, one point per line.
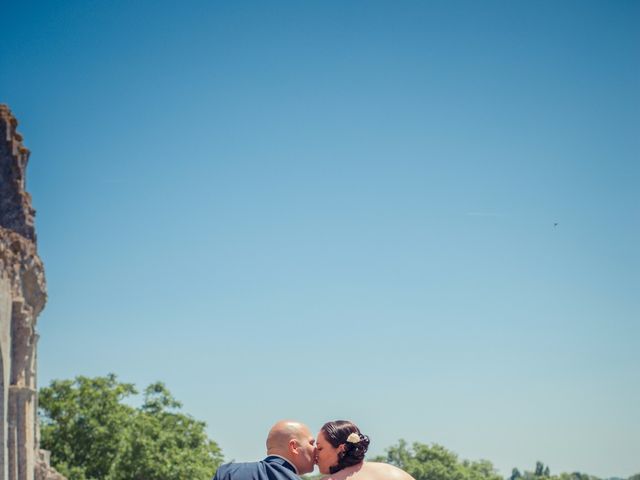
434	462
94	434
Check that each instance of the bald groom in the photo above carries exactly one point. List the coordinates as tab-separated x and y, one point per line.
291	451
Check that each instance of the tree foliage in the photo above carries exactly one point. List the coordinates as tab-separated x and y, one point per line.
435	462
94	435
543	472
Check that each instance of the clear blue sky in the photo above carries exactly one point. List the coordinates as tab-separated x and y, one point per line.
345	209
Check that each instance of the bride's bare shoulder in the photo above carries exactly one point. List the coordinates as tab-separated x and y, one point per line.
370	471
384	471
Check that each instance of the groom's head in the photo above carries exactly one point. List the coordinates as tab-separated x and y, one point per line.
293	441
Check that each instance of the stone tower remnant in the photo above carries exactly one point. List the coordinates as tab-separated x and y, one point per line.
22	298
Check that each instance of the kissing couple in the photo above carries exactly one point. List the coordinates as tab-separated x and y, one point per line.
338	450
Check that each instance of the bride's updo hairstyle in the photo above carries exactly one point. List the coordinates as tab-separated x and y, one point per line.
343	432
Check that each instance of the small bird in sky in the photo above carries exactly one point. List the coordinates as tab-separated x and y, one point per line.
555	224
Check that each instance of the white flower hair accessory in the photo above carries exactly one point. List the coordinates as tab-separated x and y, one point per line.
353	438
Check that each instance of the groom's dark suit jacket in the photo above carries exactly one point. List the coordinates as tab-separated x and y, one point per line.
271	468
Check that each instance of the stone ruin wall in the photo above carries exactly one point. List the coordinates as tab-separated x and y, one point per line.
22	298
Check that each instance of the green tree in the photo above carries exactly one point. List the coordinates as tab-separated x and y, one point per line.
542	472
435	462
93	435
164	444
84	423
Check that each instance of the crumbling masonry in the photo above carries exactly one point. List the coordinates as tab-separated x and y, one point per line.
22	298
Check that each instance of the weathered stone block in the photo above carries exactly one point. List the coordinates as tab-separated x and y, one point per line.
22	298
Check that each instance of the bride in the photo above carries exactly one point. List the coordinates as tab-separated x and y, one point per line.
340	450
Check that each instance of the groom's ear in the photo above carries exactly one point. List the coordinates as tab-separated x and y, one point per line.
293	445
